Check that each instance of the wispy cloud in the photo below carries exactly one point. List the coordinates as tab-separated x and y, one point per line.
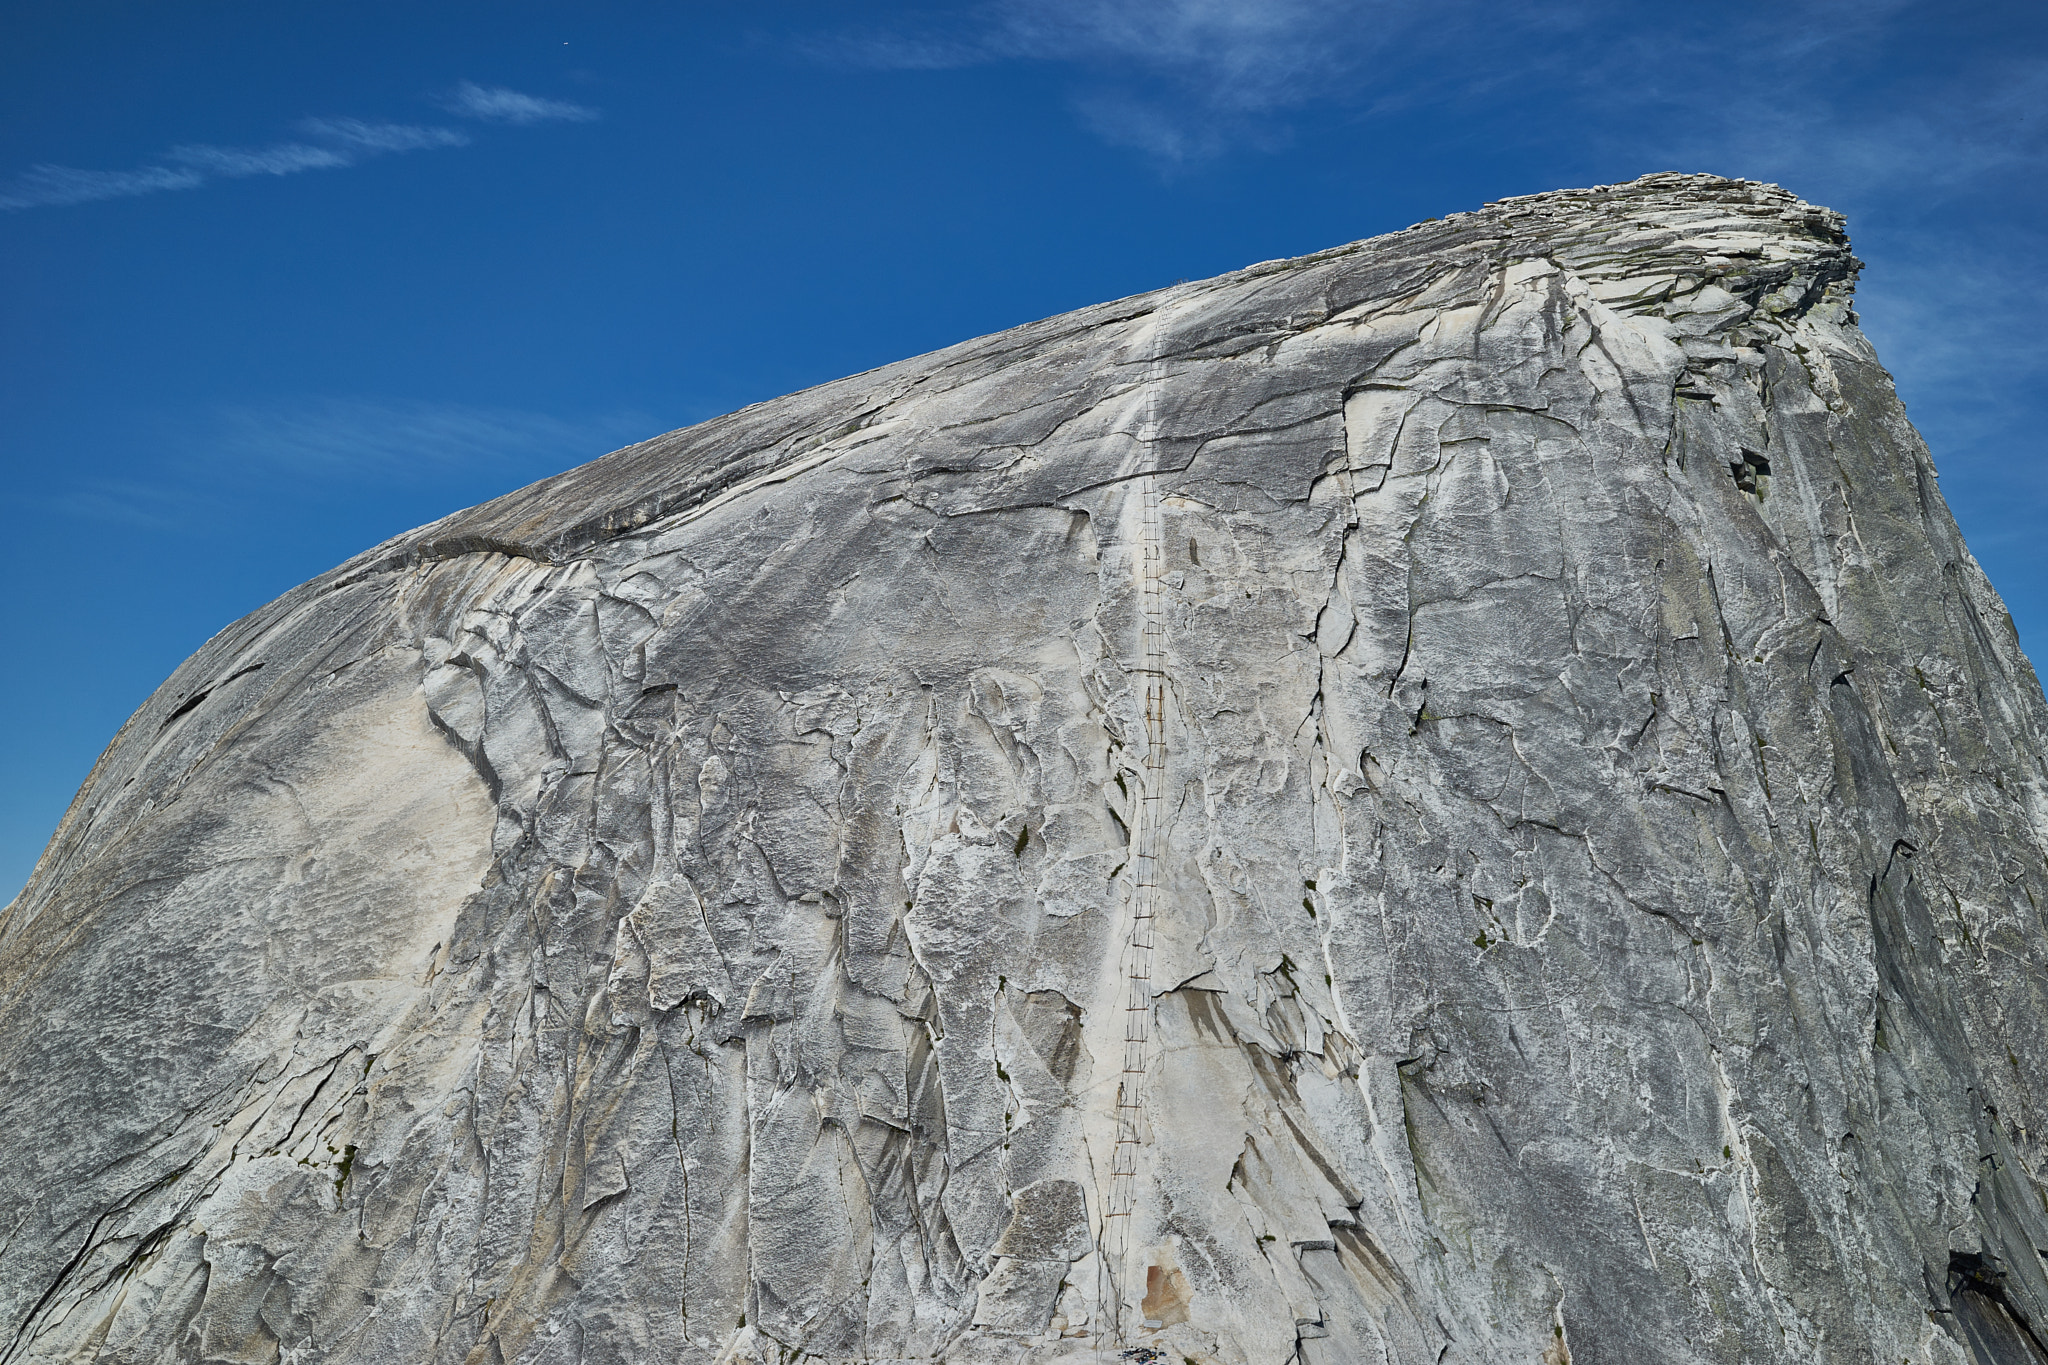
335	143
40	185
1250	52
1180	80
131	502
382	137
323	447
1184	80
232	163
495	104
322	144
359	438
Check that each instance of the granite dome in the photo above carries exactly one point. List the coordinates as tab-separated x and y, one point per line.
1459	798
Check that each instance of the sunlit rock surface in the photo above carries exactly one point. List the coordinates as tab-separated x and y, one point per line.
1455	799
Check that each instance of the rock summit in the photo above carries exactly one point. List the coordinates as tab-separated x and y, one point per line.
1455	799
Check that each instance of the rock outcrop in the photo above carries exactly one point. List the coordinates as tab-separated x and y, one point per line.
1455	799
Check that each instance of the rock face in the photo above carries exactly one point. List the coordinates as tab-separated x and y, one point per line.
1455	799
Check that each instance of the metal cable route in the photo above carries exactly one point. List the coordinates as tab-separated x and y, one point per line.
1147	840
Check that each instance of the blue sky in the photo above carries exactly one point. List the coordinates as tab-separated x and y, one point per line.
279	281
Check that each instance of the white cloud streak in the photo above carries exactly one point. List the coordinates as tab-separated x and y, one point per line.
1249	54
495	104
235	163
1253	52
50	185
1183	80
132	503
1180	80
328	144
328	446
382	137
350	438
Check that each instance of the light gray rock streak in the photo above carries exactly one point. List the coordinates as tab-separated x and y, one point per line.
1455	799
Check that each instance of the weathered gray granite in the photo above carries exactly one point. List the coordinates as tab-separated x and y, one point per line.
1580	880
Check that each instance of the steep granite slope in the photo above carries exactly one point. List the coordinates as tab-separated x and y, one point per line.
1455	799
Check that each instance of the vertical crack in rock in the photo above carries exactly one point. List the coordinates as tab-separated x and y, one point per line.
733	902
